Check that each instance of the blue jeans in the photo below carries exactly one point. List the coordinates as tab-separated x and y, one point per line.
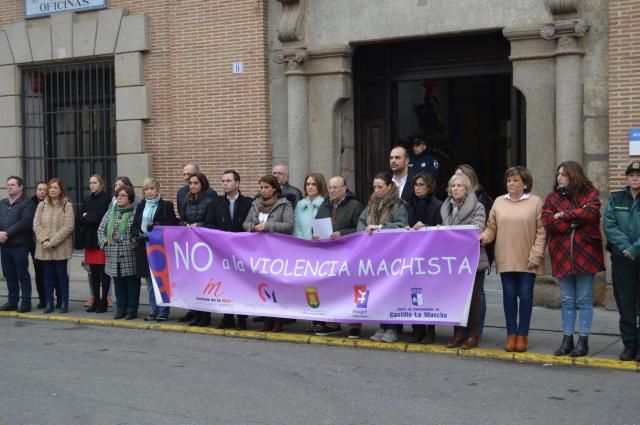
154	310
576	293
517	286
55	275
15	267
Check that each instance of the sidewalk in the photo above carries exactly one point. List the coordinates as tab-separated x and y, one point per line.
544	338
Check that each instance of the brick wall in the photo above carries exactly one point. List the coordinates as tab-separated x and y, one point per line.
200	111
624	84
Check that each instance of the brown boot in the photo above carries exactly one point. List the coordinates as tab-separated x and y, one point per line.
521	344
456	340
471	342
511	343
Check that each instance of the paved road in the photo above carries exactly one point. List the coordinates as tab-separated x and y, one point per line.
61	373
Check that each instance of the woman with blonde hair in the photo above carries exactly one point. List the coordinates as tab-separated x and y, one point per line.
53	227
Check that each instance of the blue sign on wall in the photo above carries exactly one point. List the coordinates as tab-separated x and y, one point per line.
634	141
38	8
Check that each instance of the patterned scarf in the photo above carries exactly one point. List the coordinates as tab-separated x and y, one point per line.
124	221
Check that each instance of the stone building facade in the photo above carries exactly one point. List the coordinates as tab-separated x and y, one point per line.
177	98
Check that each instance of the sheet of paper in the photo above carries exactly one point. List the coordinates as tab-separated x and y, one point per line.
322	227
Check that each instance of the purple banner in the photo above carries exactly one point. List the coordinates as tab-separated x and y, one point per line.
401	276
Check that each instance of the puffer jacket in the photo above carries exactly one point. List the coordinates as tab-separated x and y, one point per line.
54	223
306	211
280	219
470	213
575	242
194	211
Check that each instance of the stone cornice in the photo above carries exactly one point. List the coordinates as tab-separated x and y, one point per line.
563	7
291	26
565	28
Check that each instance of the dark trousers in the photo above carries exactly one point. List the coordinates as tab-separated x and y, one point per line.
626	289
99	280
475	309
15	267
37	267
127	294
56	276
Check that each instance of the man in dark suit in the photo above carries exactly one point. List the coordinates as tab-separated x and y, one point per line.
399	164
228	214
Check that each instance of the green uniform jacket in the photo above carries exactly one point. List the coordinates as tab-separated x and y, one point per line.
622	223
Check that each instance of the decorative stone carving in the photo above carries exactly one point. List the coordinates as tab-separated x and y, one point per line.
564	28
295	58
563	7
291	26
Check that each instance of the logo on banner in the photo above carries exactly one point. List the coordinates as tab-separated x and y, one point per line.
313	299
213	288
416	296
361	296
266	294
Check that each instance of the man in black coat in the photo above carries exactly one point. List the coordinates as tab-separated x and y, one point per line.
228	214
16	237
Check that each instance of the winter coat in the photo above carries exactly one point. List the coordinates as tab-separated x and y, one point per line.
165	215
305	212
17	220
347	213
219	217
470	213
292	194
55	224
392	212
94	205
181	197
120	253
425	210
280	219
194	211
622	223
575	241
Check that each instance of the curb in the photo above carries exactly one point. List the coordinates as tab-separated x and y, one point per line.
529	357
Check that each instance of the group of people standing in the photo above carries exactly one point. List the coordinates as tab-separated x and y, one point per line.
514	231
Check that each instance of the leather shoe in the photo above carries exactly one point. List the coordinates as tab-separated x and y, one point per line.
510	345
456	341
628	354
418	334
565	347
41	305
471	342
131	316
188	317
24	308
8	307
120	315
227	322
278	324
522	343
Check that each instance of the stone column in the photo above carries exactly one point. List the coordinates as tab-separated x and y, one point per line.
534	75
297	112
569	118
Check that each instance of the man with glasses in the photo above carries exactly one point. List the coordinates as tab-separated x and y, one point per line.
292	193
344	211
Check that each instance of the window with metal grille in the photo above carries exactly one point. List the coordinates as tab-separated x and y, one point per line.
69	125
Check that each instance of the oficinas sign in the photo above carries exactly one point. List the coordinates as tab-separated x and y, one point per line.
37	8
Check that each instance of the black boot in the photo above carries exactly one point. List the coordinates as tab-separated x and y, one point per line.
102	305
195	320
582	347
49	308
205	319
565	347
188	317
418	333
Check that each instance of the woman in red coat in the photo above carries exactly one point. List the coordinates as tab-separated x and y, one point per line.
571	217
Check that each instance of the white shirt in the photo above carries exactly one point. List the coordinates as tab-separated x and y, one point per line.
400	184
522	198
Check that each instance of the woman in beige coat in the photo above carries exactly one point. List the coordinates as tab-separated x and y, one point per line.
53	227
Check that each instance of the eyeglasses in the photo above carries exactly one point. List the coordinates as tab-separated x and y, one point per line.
122	196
